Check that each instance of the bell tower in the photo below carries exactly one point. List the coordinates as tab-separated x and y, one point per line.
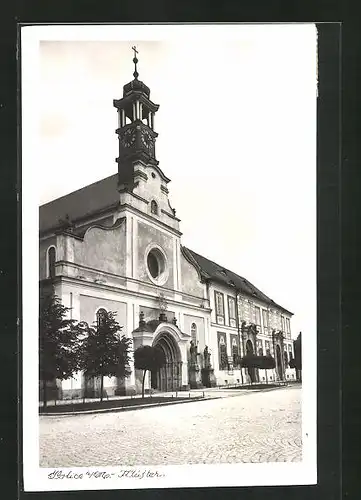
135	130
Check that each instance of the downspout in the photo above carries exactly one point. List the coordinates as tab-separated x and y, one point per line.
238	330
208	339
207	292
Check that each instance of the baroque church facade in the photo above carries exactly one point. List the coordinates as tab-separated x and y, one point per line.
115	245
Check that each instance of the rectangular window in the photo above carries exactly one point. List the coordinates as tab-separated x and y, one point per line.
259	348
232	311
219	301
267	346
288	325
288	328
283	327
257	311
265	320
235	350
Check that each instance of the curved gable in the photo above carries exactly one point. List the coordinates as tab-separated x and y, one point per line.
191	276
102	248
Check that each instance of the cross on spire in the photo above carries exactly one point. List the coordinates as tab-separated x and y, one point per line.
135	60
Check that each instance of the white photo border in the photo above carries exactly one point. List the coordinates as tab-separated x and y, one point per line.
36	478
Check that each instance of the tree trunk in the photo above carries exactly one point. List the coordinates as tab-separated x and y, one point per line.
44	394
143	383
101	387
266	376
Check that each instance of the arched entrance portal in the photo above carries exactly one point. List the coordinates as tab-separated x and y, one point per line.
279	362
251	370
169	377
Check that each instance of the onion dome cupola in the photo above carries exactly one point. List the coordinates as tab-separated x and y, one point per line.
135	130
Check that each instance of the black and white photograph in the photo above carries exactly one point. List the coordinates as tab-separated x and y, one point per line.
169	255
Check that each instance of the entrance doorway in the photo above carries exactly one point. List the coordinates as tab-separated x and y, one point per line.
279	363
169	377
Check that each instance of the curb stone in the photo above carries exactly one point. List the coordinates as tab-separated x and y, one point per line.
125	408
152	405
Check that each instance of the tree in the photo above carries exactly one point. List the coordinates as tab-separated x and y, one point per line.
250	361
148	358
104	352
58	342
261	362
267	363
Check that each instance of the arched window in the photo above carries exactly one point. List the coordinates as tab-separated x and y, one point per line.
51	262
194	333
223	357
235	353
154	207
101	315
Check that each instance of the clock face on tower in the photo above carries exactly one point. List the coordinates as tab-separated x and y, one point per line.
128	138
147	139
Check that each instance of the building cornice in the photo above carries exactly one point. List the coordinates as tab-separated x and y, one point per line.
149	218
125	291
127	279
170	215
131	193
224	327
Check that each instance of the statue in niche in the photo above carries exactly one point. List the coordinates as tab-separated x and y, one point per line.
193	352
207	357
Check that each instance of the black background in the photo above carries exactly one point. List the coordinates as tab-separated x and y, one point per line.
338	229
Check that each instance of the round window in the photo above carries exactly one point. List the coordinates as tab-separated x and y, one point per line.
153	265
156	265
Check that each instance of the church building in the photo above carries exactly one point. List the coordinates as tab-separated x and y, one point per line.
116	245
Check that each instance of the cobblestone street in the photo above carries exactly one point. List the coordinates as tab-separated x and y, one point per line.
254	427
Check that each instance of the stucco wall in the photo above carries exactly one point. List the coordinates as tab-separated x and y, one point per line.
246	310
151	189
150	313
89	305
188	320
147	235
190	278
102	249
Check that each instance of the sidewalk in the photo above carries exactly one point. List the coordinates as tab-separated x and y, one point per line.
155	399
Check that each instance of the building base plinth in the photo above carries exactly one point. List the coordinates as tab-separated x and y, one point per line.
195	381
208	377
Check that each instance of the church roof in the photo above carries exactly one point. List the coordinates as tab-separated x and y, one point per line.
215	272
90	199
136	86
83	203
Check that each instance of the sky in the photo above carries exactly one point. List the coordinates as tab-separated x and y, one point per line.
237	138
